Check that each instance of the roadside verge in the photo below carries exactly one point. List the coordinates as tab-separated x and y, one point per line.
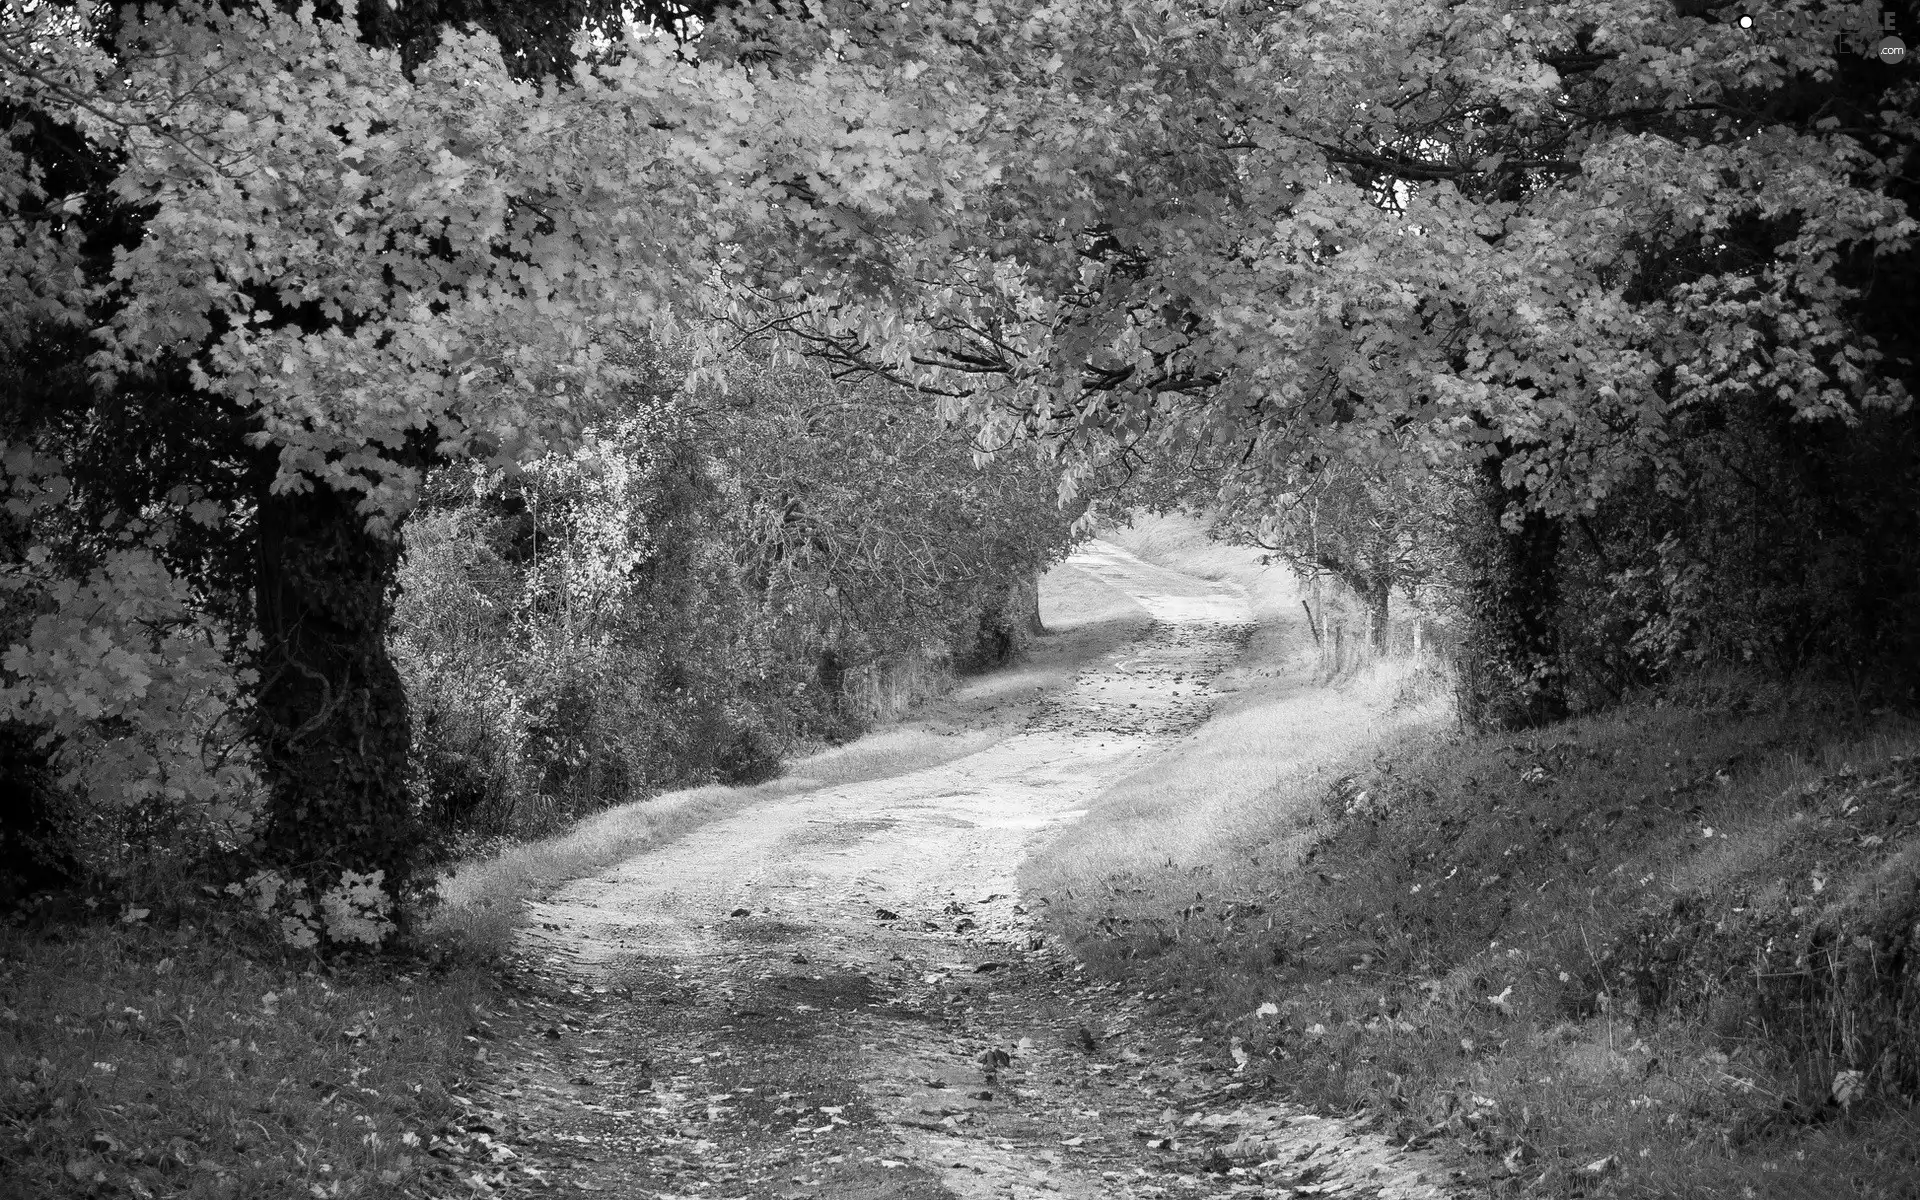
1664	950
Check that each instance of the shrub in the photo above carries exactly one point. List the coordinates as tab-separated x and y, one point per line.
714	579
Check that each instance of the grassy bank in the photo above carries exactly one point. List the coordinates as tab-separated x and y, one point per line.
1668	950
1276	732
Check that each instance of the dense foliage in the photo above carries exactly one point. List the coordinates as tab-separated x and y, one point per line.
1626	290
266	269
1604	262
710	579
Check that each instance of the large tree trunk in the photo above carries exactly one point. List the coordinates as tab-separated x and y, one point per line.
1511	675
333	713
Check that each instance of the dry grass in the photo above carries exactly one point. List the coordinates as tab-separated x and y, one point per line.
1230	787
146	1063
1532	949
1270	739
1172	540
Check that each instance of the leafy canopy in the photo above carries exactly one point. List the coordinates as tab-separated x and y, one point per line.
363	257
1404	233
1263	230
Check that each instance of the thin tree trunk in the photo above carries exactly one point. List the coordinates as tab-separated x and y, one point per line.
1379	598
1511	674
1030	604
334	727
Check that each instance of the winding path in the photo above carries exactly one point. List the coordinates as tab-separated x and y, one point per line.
838	994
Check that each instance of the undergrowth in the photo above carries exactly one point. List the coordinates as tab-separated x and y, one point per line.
180	1062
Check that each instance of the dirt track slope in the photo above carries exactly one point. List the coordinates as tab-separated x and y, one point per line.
838	994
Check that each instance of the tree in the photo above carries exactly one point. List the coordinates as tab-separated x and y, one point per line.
867	522
1529	238
1374	530
347	264
712	577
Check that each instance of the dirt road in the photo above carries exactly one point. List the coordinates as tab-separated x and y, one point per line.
838	994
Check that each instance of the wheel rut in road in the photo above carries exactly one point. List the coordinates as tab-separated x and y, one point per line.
839	993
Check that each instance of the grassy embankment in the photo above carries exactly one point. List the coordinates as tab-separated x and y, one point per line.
180	1055
1635	954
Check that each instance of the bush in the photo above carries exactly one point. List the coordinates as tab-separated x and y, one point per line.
713	580
1775	547
123	717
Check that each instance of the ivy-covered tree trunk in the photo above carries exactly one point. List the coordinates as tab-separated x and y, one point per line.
1510	671
334	730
